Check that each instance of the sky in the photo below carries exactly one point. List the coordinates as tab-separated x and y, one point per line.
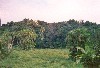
50	10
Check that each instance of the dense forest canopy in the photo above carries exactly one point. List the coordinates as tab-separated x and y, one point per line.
49	35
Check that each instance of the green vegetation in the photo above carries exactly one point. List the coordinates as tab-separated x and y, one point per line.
25	39
79	40
42	44
5	46
39	58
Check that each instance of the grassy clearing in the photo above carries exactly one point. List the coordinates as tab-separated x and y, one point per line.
39	58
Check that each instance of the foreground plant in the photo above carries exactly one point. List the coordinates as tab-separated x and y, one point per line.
82	50
5	45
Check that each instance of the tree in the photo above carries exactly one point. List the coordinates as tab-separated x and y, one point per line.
26	38
77	39
85	46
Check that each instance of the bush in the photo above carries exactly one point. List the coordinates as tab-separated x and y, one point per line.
90	59
5	45
4	50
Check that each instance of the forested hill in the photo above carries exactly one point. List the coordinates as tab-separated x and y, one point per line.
46	35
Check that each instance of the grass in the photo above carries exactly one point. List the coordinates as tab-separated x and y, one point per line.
39	58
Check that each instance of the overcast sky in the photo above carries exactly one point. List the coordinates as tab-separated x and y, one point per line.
50	10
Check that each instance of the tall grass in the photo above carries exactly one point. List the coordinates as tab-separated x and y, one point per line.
39	58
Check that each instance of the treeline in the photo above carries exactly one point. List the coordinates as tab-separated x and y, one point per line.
44	35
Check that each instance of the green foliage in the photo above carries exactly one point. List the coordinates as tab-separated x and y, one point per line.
27	38
82	49
83	38
90	59
51	35
5	45
78	37
39	58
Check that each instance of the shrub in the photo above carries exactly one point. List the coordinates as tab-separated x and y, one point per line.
5	45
